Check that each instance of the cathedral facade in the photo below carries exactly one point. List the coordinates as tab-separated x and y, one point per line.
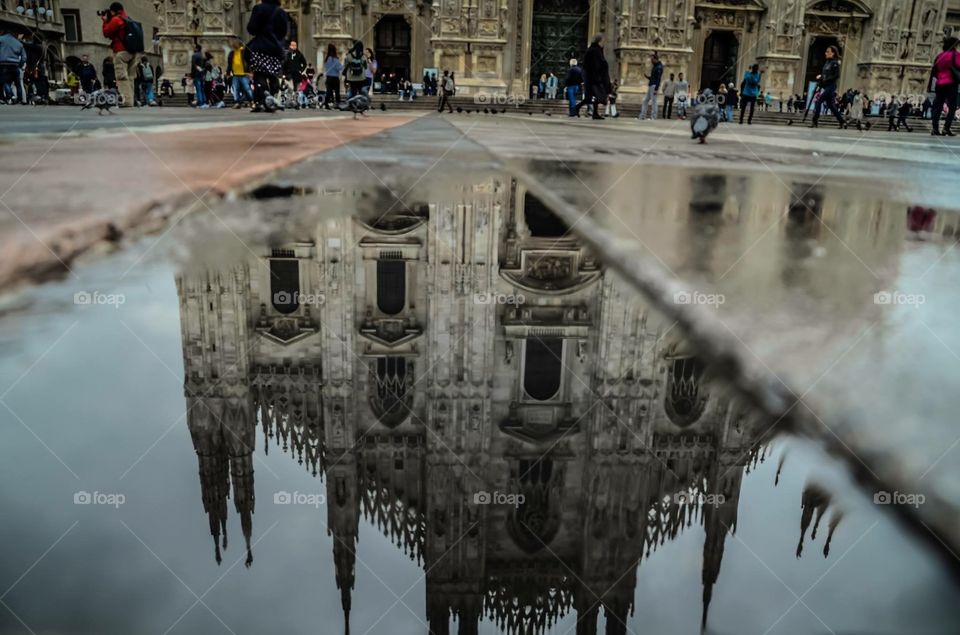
424	362
502	46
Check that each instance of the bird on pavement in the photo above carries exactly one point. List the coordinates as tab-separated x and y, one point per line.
103	99
358	105
706	116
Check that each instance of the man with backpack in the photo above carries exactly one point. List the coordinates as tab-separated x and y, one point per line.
749	91
354	67
126	40
147	77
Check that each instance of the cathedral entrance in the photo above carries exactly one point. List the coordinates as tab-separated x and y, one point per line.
559	33
392	47
816	56
720	52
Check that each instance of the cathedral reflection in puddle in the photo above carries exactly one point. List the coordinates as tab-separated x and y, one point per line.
466	376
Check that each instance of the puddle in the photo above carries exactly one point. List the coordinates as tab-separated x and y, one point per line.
445	413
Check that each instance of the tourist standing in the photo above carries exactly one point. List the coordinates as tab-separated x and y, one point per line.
237	67
146	77
653	86
294	64
87	73
332	69
682	93
669	90
552	83
268	25
371	71
124	63
197	72
354	68
946	72
732	101
749	91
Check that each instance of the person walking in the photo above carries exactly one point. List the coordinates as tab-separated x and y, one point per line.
905	109
653	87
669	90
13	57
828	79
573	84
114	28
332	70
596	77
237	66
722	101
749	91
268	25
855	110
446	91
946	73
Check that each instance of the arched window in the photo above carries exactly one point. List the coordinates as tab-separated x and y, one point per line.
391	286
543	368
686	398
285	285
390	399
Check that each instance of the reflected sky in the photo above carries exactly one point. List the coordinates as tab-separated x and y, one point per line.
197	394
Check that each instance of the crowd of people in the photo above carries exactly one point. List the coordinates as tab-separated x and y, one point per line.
589	85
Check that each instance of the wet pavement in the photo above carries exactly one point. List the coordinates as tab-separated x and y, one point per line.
422	390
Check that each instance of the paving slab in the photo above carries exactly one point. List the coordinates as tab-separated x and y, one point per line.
60	195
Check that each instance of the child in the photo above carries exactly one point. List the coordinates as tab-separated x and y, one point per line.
612	107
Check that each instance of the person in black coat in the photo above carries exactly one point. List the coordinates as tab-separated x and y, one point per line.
596	77
268	25
294	64
828	79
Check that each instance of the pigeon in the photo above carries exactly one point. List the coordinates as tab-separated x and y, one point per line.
706	116
103	99
358	105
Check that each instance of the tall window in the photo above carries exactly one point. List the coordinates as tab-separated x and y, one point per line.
71	25
543	368
285	285
391	286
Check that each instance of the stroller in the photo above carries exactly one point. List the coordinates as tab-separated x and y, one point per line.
307	95
218	90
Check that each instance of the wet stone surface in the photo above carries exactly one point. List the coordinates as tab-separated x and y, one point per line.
403	395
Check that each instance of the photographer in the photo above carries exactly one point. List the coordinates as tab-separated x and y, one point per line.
115	24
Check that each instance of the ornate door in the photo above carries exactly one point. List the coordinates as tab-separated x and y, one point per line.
559	33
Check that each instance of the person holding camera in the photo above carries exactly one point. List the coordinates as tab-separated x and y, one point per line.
122	33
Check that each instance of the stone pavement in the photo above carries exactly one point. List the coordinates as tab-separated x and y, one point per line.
62	193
